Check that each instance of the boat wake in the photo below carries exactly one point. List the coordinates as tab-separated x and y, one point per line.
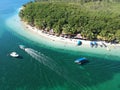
51	64
45	60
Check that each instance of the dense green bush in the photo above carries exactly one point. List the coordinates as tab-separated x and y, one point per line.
74	18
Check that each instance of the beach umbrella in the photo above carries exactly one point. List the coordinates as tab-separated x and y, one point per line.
95	43
92	44
79	42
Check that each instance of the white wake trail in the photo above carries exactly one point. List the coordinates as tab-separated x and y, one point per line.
44	60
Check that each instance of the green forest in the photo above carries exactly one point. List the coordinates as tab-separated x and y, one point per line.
92	19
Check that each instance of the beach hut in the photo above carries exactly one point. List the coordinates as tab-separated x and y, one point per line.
79	42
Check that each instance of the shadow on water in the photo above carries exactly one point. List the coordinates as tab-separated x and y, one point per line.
16	58
20	57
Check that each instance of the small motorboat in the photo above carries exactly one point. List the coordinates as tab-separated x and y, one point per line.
81	60
22	47
14	54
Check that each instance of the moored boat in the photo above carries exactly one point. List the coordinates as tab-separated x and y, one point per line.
14	54
81	60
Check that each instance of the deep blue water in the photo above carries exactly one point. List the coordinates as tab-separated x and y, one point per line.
48	68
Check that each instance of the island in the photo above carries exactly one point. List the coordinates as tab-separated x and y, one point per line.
75	19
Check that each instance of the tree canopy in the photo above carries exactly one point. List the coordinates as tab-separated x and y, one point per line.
92	20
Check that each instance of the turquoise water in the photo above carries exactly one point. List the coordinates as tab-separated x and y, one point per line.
45	65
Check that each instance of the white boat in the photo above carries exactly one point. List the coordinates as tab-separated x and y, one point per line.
14	54
22	47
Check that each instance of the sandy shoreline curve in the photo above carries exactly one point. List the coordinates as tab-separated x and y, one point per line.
25	30
108	46
64	40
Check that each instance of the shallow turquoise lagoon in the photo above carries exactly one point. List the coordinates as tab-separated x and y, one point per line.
50	66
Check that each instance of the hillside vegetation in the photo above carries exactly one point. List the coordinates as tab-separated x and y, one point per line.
93	19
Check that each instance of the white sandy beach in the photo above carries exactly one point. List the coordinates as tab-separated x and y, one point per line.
38	36
67	40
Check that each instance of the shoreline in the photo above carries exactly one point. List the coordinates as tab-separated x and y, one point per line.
108	46
61	43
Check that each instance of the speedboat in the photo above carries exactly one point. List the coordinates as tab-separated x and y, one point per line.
14	54
22	47
81	60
